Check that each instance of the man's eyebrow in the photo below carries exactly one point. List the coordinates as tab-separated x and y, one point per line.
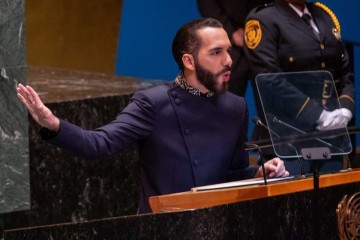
216	49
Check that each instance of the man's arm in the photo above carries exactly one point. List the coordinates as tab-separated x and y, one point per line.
135	122
240	169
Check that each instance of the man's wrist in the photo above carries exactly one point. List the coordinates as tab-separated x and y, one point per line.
55	126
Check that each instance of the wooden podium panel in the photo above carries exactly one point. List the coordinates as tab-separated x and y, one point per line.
193	200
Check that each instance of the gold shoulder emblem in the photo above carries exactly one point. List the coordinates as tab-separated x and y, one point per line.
252	34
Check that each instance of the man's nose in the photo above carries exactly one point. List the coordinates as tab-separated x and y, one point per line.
228	60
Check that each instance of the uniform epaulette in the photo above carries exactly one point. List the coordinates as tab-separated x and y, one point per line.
262	6
331	14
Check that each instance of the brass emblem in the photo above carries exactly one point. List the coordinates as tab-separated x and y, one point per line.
252	34
348	217
327	89
336	34
327	92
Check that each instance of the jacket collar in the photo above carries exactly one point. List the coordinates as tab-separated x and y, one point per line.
294	19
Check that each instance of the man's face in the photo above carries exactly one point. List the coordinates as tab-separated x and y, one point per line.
212	81
213	62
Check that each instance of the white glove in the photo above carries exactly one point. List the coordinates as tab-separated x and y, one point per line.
338	118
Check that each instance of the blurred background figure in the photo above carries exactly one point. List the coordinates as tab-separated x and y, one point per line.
232	14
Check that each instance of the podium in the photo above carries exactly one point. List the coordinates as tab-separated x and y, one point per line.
201	199
279	211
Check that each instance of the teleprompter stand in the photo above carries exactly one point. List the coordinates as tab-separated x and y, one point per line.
292	104
315	155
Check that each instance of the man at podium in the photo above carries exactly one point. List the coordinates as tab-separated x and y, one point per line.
191	131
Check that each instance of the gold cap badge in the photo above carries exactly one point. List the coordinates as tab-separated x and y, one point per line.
252	34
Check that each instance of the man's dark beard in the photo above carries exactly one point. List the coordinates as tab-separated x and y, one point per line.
208	79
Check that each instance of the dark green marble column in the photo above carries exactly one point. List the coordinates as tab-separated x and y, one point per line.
14	153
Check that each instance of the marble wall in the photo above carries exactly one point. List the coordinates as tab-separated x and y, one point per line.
14	154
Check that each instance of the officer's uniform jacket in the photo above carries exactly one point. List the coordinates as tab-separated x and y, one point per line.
185	140
278	40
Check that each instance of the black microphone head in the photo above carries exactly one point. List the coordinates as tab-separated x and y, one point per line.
256	120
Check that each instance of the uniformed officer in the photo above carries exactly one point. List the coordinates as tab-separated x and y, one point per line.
292	36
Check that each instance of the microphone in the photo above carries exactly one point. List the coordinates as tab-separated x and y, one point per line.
258	122
275	120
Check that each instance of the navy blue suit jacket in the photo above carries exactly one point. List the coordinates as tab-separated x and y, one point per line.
185	140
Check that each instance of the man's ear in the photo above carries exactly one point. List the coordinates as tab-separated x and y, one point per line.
188	61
